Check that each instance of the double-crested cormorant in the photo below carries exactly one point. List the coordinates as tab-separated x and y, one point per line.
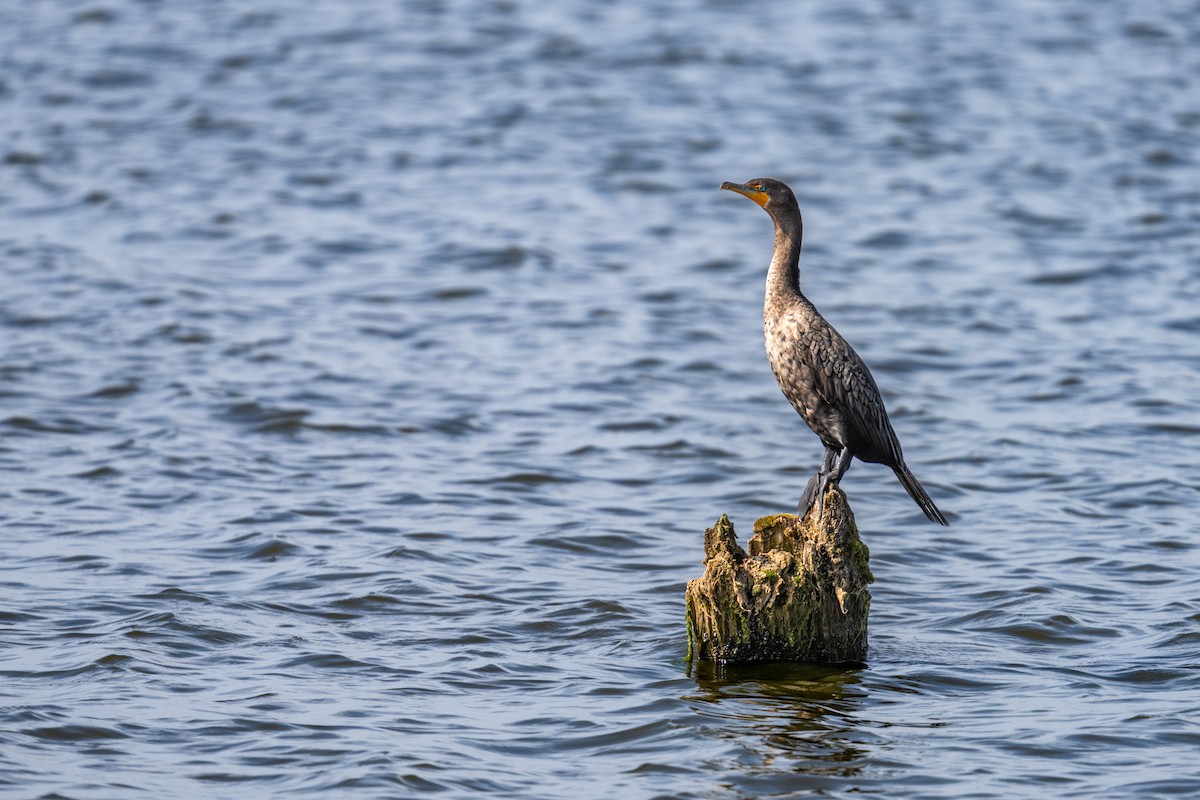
820	374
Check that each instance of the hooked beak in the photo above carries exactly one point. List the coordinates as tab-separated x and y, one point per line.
741	188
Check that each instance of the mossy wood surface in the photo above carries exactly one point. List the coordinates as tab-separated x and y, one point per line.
800	594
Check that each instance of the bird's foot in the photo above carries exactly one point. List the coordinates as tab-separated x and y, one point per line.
814	495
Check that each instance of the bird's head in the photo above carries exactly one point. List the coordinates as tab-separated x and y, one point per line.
773	195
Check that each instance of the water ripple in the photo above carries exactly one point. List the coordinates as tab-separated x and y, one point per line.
369	376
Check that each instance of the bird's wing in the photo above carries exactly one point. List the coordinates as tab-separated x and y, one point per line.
843	380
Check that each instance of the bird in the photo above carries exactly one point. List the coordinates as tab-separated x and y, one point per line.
821	375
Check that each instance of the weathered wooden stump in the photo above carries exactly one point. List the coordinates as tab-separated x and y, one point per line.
800	595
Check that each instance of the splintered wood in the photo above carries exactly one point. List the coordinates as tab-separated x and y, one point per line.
800	594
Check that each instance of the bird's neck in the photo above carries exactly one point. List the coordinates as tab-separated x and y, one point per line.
783	279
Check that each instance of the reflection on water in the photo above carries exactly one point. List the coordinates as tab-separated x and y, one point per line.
796	724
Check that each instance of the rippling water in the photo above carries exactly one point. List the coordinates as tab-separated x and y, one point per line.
370	371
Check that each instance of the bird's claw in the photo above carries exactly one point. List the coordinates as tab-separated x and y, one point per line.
814	495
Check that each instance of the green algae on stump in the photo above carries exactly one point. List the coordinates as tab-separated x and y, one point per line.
800	594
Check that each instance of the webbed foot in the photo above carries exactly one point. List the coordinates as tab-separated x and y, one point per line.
814	494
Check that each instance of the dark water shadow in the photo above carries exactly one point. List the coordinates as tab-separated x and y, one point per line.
789	727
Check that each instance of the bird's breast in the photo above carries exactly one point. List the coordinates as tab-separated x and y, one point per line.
789	354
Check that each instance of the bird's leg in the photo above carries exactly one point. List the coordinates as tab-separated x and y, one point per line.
815	491
830	475
843	464
834	477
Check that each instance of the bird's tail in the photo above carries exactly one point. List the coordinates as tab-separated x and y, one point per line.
917	492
